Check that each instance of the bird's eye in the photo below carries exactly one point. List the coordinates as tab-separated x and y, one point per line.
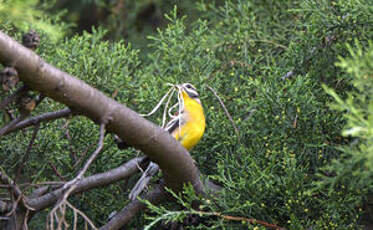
189	86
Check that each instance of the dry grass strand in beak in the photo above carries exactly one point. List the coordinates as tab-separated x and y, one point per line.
169	95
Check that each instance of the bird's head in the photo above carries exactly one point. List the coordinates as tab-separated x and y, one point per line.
187	90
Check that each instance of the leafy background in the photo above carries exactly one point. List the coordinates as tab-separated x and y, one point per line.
296	76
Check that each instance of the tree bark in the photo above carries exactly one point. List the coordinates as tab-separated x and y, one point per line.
175	162
87	183
156	196
41	198
15	221
173	159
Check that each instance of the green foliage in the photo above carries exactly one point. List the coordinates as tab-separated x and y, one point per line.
24	15
296	162
288	133
353	170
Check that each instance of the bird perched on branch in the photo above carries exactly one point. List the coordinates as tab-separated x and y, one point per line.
187	127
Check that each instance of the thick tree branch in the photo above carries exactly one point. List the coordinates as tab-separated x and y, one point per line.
156	196
39	192
175	162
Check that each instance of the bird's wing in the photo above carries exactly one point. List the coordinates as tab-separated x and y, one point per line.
174	123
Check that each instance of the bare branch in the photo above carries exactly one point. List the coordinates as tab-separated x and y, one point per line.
39	192
94	181
75	210
26	155
241	219
68	137
51	183
173	159
13	210
11	124
156	196
41	118
75	220
71	185
25	220
83	155
94	155
7	180
56	171
175	162
226	111
15	205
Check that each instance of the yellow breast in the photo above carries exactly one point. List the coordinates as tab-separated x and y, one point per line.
191	132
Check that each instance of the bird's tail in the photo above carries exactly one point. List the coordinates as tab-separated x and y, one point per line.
150	171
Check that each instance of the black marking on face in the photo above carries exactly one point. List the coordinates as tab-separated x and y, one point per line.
190	90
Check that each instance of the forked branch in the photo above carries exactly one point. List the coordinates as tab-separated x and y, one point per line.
175	162
58	213
50	116
156	196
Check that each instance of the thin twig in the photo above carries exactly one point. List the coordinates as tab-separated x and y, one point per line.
242	219
41	118
226	112
83	155
98	180
82	215
295	121
11	124
25	220
57	183
7	180
68	137
15	205
92	157
54	168
62	219
71	185
28	150
75	220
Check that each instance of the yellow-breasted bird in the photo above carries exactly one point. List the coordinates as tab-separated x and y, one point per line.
187	127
